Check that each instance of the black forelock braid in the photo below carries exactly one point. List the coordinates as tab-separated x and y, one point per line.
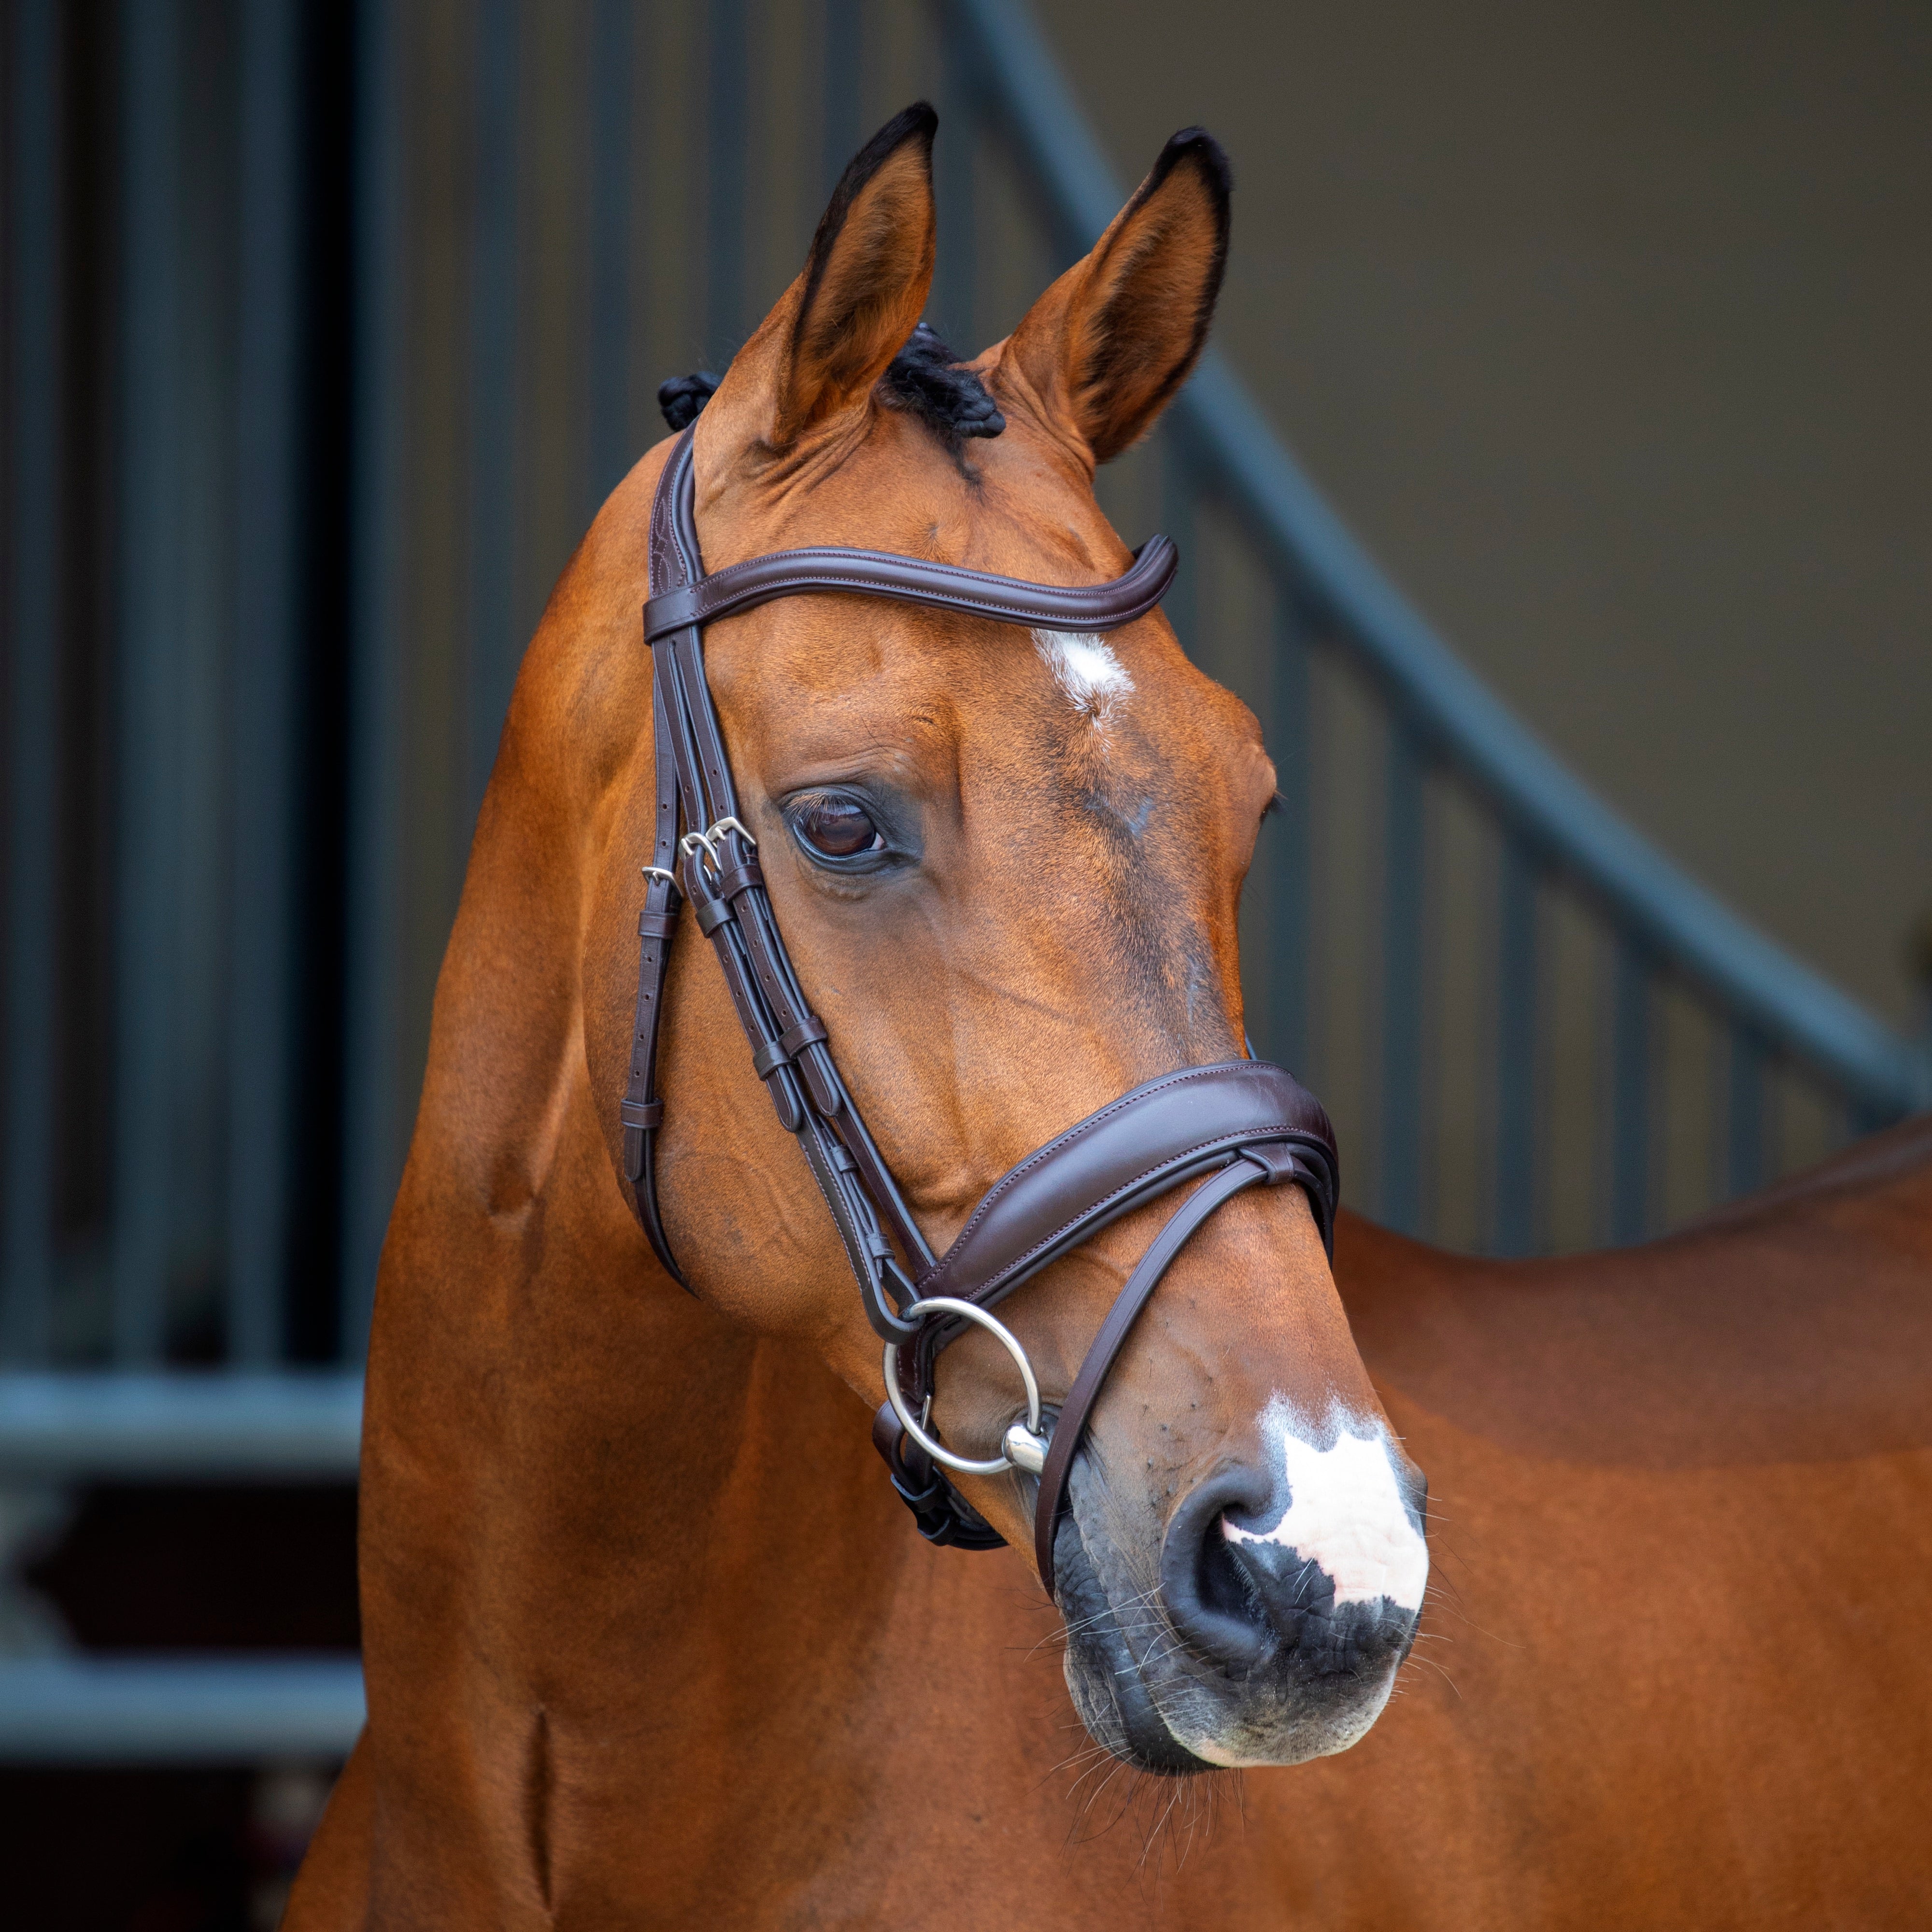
683	397
921	379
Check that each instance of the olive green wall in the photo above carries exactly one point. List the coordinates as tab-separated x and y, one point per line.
1607	329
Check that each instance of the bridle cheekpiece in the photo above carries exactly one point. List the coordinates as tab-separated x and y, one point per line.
1238	1124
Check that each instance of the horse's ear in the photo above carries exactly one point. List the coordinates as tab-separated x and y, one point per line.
1105	348
864	286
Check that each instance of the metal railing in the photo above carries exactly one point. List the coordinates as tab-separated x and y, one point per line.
311	393
1703	1031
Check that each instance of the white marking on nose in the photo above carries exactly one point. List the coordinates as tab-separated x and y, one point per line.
1346	1512
1093	680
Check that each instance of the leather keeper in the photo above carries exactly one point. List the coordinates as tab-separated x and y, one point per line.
736	879
712	914
643	1114
1279	1161
795	1039
657	925
773	1054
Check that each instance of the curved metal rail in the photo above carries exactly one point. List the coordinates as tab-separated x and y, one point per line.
1659	904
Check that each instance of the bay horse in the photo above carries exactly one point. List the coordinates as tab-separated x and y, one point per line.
648	1639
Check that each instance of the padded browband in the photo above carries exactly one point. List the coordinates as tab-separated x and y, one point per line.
1161	1133
945	586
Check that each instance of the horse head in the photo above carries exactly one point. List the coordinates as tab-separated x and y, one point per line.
1007	864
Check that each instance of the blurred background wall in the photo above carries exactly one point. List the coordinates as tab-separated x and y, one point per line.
1607	326
328	326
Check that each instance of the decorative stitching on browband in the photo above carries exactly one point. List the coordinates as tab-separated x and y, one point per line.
807	557
695	603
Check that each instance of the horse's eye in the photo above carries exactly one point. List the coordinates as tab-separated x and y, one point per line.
837	828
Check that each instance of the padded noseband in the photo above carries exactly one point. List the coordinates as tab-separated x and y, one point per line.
1228	1127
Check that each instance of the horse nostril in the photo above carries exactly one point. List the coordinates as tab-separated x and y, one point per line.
1294	1598
1208	1590
1242	1600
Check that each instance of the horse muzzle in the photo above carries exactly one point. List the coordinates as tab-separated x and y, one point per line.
1285	1599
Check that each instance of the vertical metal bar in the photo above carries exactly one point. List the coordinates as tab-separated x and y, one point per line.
34	374
1743	1111
955	168
1291	886
1399	1181
1180	483
149	673
493	391
267	507
1517	975
844	90
373	1128
611	78
728	71
199	915
1630	1095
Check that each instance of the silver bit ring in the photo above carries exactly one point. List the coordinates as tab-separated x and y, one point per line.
1025	1444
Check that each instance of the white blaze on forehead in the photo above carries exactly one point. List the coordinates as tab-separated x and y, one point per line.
1094	680
1345	1512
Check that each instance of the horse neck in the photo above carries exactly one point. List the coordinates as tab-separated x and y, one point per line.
599	1524
567	1456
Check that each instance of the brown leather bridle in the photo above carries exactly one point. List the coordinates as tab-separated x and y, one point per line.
1237	1122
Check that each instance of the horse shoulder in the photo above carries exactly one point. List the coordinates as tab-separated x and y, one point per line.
1681	1516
